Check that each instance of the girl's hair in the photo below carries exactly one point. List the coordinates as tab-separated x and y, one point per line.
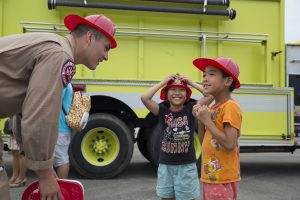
232	86
81	29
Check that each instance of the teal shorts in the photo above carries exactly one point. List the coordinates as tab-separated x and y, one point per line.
180	181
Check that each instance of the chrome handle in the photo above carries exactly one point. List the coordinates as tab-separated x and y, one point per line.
295	60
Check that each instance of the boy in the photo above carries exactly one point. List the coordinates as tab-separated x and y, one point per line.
177	171
61	156
220	149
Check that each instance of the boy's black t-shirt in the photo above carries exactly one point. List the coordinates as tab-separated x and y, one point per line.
177	140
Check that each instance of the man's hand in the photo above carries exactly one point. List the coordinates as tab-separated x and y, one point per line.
49	188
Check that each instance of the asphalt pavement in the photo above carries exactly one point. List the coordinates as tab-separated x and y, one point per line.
265	176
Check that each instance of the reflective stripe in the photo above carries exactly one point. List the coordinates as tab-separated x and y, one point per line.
249	103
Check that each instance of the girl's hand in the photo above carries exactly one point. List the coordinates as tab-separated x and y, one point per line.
185	79
167	79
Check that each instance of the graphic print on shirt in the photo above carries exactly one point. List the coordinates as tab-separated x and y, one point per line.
67	72
213	141
176	136
212	166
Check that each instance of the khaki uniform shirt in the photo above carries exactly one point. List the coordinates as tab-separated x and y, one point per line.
34	69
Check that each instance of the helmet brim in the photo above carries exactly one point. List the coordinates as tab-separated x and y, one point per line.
202	63
72	21
164	90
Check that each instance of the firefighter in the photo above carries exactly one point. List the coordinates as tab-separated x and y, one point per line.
34	69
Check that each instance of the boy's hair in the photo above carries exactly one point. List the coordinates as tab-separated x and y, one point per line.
81	29
232	86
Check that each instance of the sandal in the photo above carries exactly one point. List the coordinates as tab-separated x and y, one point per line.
12	180
18	184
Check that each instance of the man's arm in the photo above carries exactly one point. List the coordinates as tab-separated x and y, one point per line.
147	100
40	119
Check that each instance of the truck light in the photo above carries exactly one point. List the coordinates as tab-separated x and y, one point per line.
81	88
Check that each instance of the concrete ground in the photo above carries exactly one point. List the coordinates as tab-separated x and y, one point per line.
265	176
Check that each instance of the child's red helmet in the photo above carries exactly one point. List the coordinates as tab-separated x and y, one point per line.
225	64
99	22
70	189
175	83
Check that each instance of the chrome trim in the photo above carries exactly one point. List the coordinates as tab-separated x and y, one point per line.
255	89
156	32
265	142
295	60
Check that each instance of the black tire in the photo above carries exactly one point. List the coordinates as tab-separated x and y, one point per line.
154	148
153	145
144	135
142	142
103	149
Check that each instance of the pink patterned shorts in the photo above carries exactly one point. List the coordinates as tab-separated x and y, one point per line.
224	191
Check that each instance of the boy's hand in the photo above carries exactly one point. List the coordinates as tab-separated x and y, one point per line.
195	109
202	113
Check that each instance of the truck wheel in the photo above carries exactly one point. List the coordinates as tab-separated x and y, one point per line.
144	135
142	142
154	147
103	149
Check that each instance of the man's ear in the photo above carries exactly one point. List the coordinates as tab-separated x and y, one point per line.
89	36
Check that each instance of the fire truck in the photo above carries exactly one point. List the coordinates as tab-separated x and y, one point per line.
160	37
